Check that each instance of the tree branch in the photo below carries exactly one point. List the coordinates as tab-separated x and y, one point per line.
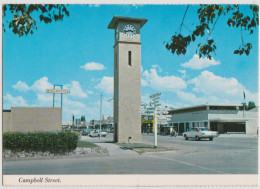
242	36
184	17
210	32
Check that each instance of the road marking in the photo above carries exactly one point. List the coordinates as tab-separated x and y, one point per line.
190	164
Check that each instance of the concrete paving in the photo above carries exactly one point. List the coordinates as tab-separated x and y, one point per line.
115	150
106	142
223	155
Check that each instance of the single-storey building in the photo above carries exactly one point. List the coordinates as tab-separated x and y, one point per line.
222	118
31	119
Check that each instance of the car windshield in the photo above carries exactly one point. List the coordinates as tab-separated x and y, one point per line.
204	129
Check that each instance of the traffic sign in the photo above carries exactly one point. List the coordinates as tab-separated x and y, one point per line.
164	115
162	112
155	95
161	109
164	119
155	102
163	123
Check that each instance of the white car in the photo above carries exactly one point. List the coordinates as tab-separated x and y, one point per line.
96	133
200	132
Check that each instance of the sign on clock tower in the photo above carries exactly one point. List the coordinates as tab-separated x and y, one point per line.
127	78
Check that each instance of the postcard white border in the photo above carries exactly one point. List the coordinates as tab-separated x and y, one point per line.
234	180
135	180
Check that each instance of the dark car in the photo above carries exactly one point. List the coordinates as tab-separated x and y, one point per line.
84	132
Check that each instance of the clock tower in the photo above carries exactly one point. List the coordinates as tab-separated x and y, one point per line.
127	78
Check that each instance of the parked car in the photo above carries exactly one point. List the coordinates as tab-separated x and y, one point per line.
96	133
199	133
84	132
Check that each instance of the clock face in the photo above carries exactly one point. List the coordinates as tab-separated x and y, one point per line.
129	30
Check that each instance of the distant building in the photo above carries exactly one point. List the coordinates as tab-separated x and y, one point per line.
147	123
66	125
30	119
78	122
106	124
147	120
222	118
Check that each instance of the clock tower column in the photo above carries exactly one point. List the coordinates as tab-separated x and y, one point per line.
127	78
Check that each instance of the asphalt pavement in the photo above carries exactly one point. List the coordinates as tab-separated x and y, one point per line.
223	155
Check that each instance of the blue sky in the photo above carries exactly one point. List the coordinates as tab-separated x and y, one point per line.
78	53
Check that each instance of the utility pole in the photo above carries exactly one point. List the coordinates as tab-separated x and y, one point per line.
155	101
244	104
100	116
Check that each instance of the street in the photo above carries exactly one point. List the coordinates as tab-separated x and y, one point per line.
226	154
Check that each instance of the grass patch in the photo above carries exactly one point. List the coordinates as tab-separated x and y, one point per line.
142	148
86	144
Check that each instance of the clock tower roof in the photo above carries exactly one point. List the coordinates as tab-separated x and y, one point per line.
117	19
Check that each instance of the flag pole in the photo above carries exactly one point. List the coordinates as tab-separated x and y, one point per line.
244	104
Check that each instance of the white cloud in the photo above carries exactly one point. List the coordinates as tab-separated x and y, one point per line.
90	92
164	101
73	104
41	85
76	90
93	80
143	82
70	107
91	111
38	86
183	73
107	106
21	86
166	83
209	84
157	67
44	100
190	98
199	63
145	98
93	66
106	85
220	89
10	101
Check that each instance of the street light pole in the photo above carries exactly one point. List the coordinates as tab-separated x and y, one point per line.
100	116
155	101
155	128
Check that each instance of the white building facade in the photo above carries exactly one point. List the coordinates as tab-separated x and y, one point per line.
226	119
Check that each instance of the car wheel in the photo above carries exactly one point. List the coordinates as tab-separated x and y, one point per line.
186	138
210	138
197	138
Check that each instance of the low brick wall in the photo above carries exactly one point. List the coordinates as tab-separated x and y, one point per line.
12	155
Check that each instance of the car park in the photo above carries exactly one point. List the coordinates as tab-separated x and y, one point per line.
96	133
199	133
84	132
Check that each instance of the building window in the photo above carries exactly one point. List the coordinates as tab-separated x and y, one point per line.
129	58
